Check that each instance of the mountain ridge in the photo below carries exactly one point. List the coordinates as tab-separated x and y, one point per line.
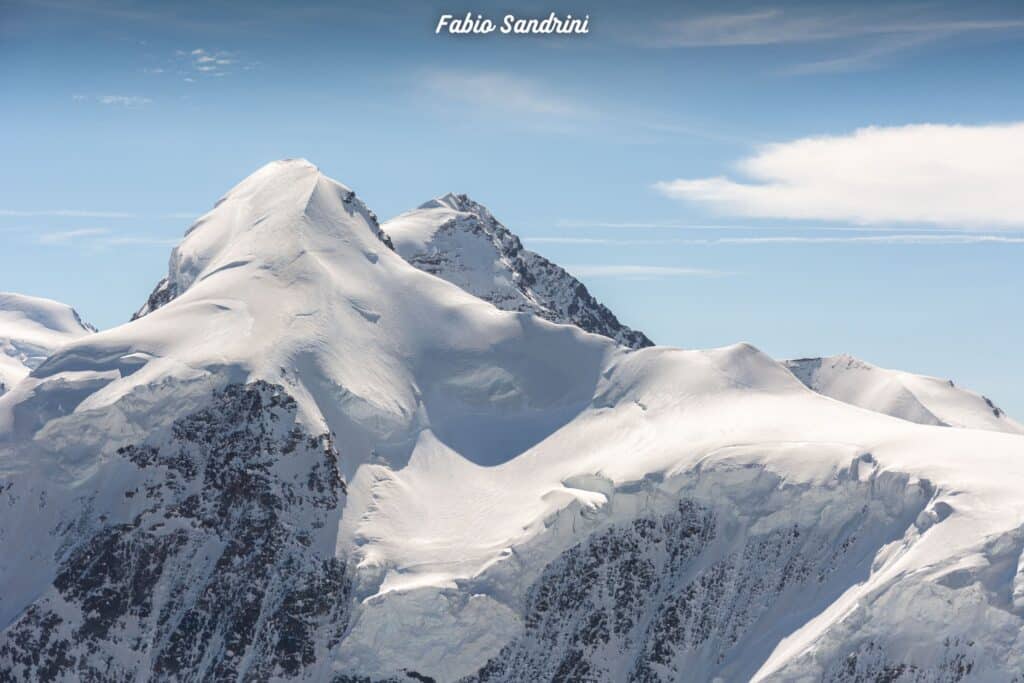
459	240
917	398
319	462
31	329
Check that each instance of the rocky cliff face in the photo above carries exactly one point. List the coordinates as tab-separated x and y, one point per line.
698	594
459	240
214	572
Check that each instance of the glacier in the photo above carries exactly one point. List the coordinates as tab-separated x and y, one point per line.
307	459
32	329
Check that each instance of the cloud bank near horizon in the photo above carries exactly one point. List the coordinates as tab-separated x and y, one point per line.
936	174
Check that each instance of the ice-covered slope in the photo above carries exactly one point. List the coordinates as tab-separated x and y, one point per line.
459	240
32	328
926	400
198	450
316	461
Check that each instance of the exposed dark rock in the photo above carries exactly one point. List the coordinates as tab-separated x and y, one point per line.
648	601
217	576
538	286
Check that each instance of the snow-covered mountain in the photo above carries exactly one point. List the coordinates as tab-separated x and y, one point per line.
32	328
318	462
457	239
918	398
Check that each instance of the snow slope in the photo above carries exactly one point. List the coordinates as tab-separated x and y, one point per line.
459	240
926	400
32	328
315	461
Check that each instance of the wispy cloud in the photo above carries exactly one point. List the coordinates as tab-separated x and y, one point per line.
124	100
947	239
638	271
575	240
99	237
496	97
957	176
684	225
129	101
138	240
776	27
67	213
94	238
867	57
895	239
89	213
499	91
68	236
866	36
207	63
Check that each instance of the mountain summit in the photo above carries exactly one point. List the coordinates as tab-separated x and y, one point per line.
293	192
313	461
459	240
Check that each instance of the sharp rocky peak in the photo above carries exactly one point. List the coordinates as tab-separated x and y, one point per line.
458	239
458	202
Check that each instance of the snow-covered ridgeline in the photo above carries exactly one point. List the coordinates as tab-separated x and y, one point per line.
32	328
459	240
427	486
926	400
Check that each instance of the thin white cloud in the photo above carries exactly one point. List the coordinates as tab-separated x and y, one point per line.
866	37
896	239
776	27
100	237
495	90
128	101
682	225
88	213
945	239
947	175
203	62
138	240
867	57
64	237
124	100
491	97
638	271
573	240
68	213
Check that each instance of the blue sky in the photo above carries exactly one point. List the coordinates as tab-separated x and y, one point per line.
697	164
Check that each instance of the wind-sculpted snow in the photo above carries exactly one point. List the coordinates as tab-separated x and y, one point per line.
455	238
31	329
522	500
186	265
921	399
216	563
